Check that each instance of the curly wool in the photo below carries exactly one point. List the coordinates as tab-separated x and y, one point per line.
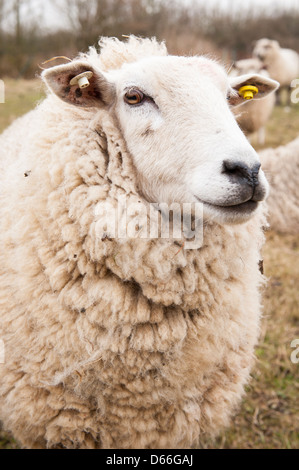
112	343
282	168
115	53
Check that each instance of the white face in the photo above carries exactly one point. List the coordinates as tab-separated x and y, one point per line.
183	138
265	49
174	114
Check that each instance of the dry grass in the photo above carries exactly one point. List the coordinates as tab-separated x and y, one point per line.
20	97
282	127
269	415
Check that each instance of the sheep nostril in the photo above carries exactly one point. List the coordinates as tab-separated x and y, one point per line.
241	171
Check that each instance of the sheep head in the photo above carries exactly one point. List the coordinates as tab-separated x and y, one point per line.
265	50
175	117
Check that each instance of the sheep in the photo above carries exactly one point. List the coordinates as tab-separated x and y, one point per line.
281	64
282	167
254	114
133	341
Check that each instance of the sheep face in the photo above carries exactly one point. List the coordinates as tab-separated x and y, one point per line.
175	117
266	50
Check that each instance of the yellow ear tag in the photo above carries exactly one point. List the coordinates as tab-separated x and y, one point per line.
248	91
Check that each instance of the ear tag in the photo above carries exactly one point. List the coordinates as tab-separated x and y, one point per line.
248	91
82	79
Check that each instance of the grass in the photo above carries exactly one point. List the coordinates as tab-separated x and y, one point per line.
282	127
269	415
20	97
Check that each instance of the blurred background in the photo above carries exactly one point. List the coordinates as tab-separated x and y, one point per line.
32	31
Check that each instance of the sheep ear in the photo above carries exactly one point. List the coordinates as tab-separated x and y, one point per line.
79	84
275	43
264	85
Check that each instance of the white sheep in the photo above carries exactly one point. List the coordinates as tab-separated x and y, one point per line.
254	114
282	168
136	342
281	64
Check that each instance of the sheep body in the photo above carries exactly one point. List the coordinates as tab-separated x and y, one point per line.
112	343
282	167
281	64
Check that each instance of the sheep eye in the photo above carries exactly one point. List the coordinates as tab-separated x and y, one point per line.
134	96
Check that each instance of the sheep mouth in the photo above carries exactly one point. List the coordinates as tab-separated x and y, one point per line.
245	208
230	214
248	206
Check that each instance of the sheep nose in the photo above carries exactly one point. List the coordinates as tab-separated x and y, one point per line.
242	173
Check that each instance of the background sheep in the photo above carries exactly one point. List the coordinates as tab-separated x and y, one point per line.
116	342
281	64
254	114
282	167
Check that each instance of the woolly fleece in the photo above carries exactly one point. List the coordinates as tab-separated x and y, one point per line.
282	168
112	343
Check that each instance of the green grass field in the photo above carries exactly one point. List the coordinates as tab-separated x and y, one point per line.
269	414
20	97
